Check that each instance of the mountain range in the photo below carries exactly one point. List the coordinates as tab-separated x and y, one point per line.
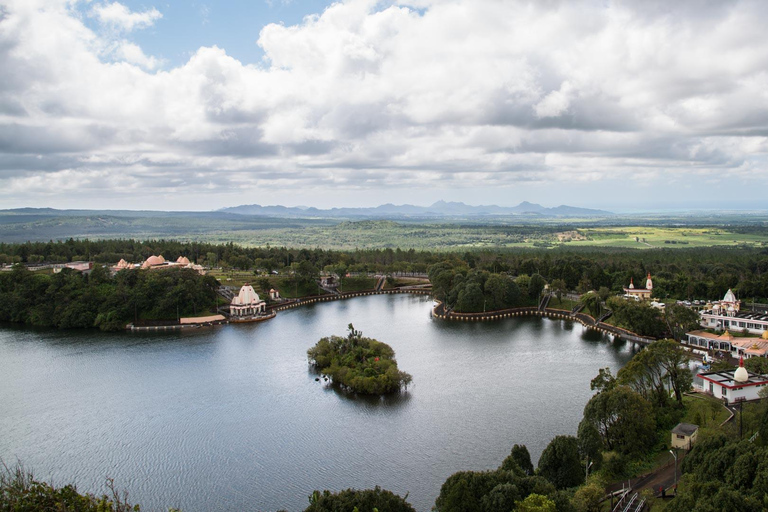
436	210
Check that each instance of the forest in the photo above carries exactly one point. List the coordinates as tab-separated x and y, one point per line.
696	273
71	299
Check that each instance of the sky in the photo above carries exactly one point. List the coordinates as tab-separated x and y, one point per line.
198	105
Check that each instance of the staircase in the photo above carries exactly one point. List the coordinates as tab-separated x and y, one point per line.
544	302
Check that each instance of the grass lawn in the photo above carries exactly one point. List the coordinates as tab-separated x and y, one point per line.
704	411
357	284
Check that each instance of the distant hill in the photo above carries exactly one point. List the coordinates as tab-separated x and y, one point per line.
436	210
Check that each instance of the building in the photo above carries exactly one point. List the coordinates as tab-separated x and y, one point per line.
684	435
158	262
80	266
726	342
247	303
274	294
631	292
733	386
727	314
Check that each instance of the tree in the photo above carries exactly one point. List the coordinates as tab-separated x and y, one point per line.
559	288
470	299
536	503
589	497
590	445
352	500
520	458
623	418
535	286
604	380
559	463
680	320
661	361
591	302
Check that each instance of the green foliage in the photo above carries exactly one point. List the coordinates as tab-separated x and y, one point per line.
518	458
623	418
723	474
473	291
680	320
359	364
536	503
489	491
638	317
663	361
20	492
588	497
353	500
560	464
71	299
757	365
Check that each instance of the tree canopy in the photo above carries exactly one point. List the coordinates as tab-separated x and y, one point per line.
359	364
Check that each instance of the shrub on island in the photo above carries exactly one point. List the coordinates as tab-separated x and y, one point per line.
359	364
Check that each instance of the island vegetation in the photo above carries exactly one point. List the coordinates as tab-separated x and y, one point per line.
358	364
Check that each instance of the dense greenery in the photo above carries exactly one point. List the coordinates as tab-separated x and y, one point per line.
721	473
702	273
353	500
560	464
72	299
359	364
501	489
21	492
473	291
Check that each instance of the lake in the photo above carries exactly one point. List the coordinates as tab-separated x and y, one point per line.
231	418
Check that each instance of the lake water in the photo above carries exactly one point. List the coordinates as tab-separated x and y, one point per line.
231	418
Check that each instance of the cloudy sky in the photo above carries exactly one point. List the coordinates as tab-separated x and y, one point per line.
197	105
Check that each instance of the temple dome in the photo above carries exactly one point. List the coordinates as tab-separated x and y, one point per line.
183	260
729	296
741	375
247	296
153	261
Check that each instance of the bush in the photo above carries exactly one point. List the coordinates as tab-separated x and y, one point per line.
362	365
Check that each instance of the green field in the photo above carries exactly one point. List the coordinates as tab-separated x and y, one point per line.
652	237
635	232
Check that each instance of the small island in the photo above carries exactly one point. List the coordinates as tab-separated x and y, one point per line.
358	364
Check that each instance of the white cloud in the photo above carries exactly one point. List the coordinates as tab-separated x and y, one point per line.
133	54
455	94
118	16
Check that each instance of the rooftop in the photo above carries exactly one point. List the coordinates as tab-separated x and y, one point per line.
725	378
685	429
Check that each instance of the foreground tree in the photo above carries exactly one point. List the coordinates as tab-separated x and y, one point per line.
560	464
623	419
353	500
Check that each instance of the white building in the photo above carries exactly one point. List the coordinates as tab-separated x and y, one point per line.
727	314
247	303
630	292
733	386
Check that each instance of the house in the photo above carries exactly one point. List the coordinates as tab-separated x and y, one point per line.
684	435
